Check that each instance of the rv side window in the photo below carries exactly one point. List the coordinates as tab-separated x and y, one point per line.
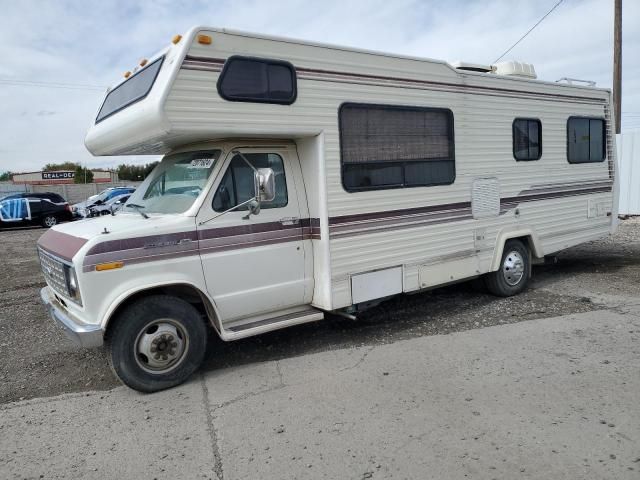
247	79
585	140
527	139
384	146
237	184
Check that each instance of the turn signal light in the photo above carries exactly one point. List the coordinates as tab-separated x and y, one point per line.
204	39
127	74
176	39
143	62
109	266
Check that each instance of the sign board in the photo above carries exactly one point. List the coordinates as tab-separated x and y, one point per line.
58	175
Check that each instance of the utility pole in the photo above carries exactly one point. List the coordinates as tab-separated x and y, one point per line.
617	62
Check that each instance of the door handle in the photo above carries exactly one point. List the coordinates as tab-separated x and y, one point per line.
290	221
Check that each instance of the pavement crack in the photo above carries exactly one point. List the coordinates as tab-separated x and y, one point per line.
244	396
280	373
217	459
360	360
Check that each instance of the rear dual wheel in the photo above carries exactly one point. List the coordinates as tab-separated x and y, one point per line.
156	343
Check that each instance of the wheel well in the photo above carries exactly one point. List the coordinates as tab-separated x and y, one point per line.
185	292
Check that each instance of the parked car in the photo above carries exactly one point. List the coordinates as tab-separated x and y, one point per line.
82	209
46	209
112	205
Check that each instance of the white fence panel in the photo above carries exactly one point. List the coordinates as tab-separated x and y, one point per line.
629	171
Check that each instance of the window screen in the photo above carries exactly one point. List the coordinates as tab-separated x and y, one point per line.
247	79
585	140
237	185
527	139
395	147
131	91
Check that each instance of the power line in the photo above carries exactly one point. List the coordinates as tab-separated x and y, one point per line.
30	83
529	31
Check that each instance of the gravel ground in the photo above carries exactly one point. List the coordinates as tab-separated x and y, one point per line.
38	361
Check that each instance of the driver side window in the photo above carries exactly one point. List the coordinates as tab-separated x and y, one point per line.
237	184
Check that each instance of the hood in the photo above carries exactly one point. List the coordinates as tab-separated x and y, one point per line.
67	239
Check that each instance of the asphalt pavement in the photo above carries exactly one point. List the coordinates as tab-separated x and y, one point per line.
550	398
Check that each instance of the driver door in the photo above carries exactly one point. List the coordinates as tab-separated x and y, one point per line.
253	264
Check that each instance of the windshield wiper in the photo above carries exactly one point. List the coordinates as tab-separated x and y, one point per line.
138	208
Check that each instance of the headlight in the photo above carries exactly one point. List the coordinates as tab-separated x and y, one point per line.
72	284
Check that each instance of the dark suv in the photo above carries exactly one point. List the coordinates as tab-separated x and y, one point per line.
46	209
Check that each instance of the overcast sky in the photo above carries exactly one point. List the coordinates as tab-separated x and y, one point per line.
93	42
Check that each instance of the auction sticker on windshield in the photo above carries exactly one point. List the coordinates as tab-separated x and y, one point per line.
201	163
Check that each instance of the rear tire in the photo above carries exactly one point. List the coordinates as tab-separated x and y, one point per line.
512	277
156	343
49	221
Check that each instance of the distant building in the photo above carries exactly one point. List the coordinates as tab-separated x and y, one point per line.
60	177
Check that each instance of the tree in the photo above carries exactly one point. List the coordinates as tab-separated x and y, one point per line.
135	172
66	166
83	175
5	176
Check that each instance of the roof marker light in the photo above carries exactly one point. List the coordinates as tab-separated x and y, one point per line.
143	62
176	39
204	39
127	74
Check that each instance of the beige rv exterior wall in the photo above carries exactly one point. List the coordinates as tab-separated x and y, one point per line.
185	107
483	148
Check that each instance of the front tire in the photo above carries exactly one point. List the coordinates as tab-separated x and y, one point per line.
49	221
156	343
513	275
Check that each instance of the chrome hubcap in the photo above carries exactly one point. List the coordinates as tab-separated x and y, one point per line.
161	346
513	268
50	221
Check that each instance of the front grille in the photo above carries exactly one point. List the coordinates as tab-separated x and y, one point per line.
53	270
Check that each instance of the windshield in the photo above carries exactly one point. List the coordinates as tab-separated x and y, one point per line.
175	184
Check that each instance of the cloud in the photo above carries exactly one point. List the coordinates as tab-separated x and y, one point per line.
92	42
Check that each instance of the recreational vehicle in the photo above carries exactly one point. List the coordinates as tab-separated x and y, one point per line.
302	179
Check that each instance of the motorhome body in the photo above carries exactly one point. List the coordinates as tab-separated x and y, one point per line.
391	174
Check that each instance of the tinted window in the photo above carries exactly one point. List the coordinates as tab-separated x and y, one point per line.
245	79
132	90
527	139
54	197
395	147
585	140
237	184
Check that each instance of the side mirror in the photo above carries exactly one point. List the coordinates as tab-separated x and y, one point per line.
266	184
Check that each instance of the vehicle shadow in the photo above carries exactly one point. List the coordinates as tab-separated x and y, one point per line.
445	310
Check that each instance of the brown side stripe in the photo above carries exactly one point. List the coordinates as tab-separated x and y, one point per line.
216	64
182	244
178	245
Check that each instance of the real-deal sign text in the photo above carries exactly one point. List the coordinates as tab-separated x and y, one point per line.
57	175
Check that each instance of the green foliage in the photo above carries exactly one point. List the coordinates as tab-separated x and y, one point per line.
135	172
5	176
83	175
67	166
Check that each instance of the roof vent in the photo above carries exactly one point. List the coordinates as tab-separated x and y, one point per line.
515	69
472	67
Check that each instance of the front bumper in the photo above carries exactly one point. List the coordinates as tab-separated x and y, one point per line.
82	334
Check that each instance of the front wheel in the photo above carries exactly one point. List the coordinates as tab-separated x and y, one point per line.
513	275
157	343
